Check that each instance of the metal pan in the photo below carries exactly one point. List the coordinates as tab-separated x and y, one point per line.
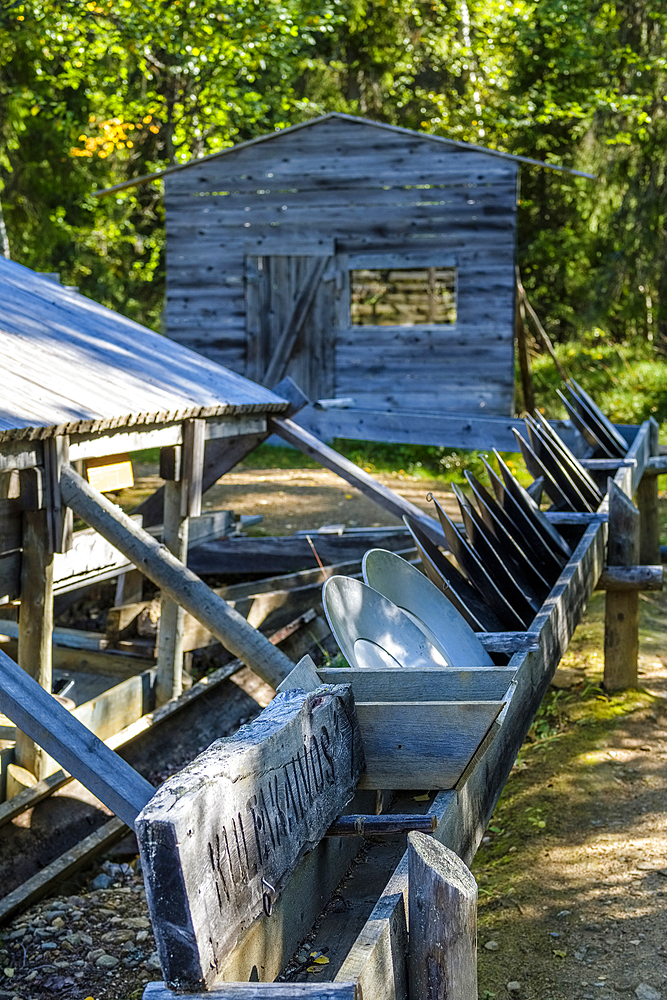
536	467
453	584
514	548
506	576
428	607
528	505
372	632
478	576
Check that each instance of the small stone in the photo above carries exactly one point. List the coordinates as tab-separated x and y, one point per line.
92	956
48	945
142	935
101	882
152	963
58	923
514	986
137	922
646	992
492	946
563	914
106	962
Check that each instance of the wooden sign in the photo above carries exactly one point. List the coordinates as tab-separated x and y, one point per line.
110	473
219	840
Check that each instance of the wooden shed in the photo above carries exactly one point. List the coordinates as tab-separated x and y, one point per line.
82	384
373	264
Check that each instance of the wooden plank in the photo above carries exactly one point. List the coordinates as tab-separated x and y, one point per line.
429	685
64	738
10	576
262	798
421	744
455	430
354	825
109	664
330	459
621	623
20	455
90	557
63	866
294	322
175	579
118	707
442	911
260	991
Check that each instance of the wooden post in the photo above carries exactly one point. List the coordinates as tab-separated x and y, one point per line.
621	627
35	623
181	584
442	914
169	680
182	500
647	502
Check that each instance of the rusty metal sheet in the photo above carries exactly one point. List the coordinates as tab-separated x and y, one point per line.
602	419
562	468
584	427
512	487
536	467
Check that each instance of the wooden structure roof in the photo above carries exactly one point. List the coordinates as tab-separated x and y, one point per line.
71	365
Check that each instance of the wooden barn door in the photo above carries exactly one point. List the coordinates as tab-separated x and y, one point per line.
292	307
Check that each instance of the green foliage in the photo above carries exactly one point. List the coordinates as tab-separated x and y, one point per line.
97	93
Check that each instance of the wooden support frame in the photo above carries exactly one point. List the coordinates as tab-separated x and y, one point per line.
159	565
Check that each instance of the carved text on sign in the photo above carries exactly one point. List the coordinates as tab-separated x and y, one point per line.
238	819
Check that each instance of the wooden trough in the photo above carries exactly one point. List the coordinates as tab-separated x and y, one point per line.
259	946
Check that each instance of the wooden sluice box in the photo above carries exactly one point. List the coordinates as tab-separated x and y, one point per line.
241	850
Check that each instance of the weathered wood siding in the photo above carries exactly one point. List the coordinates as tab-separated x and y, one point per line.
344	188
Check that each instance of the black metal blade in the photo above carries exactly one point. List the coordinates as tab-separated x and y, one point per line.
512	486
593	420
536	467
585	482
559	468
601	417
514	542
478	576
506	576
447	578
584	428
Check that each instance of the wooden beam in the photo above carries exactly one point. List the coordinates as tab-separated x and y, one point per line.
647	504
77	750
351	473
624	578
160	566
442	911
621	626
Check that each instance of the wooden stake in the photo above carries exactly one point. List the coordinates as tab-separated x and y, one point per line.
442	908
522	349
35	623
647	502
171	576
621	631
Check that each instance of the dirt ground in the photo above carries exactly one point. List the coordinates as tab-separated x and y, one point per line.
572	873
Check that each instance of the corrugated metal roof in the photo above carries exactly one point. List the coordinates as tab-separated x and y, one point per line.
442	139
68	364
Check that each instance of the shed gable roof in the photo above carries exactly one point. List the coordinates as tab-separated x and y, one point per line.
70	364
313	123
